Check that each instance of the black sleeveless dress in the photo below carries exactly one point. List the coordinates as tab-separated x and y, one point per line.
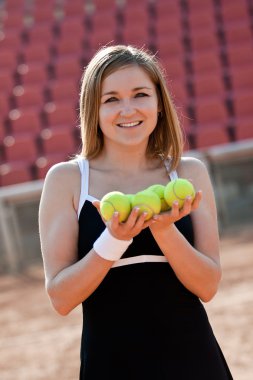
141	322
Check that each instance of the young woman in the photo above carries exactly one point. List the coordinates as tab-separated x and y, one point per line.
140	282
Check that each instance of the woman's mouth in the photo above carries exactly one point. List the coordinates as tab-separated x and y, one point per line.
129	125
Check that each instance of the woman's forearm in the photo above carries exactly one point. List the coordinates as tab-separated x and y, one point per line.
198	272
73	284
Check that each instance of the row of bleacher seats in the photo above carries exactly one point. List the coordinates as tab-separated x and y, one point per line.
205	47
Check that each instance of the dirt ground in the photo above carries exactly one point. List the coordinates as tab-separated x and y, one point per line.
36	343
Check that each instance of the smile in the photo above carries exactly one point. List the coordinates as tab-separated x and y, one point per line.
129	125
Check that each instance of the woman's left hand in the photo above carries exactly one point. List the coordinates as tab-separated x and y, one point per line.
165	219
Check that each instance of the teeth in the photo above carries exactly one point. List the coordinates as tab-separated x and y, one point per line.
133	124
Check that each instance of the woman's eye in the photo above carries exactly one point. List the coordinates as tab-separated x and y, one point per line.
112	99
140	94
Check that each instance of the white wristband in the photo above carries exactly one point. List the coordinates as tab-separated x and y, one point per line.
110	248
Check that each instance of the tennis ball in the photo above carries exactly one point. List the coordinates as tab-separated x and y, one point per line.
178	190
147	201
115	201
159	190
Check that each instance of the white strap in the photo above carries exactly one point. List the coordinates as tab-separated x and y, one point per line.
84	170
139	260
173	175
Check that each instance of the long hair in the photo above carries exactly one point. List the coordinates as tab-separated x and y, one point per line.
166	139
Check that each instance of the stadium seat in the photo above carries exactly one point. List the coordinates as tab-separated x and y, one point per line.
73	8
2	130
177	89
25	120
20	148
15	172
61	114
45	162
101	34
8	59
29	95
206	62
65	89
67	67
238	33
71	26
234	11
10	40
242	78
35	52
244	129
40	34
33	73
240	54
243	105
211	112
207	137
174	67
43	12
4	104
7	81
68	46
14	4
58	141
209	85
136	32
170	47
200	20
204	40
13	20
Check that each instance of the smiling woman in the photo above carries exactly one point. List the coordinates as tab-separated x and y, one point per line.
140	282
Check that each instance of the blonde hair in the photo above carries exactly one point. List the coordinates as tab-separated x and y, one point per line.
166	139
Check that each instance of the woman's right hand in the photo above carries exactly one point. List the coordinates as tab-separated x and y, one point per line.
128	229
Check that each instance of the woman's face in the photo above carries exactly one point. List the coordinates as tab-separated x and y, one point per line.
129	107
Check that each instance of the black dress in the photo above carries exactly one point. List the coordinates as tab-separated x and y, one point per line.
141	322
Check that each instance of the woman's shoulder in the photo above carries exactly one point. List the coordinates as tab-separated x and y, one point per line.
192	168
63	170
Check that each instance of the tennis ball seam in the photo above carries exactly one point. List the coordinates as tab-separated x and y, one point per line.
177	196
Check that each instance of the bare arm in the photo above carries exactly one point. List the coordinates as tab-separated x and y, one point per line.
197	268
68	281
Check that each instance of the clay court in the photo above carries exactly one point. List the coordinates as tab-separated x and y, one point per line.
36	343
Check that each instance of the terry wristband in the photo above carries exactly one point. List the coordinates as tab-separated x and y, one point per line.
110	248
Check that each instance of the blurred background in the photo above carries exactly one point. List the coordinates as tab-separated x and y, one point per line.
206	47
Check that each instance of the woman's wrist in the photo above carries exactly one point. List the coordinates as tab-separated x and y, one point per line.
110	248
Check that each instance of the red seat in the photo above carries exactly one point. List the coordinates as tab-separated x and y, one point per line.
13	19
136	32
14	4
60	90
170	47
29	95
45	162
206	62
244	129
242	78
9	40
210	85
25	120
101	34
40	34
211	112
174	67
43	12
58	141
241	54
207	137
238	33
73	8
6	81
68	46
202	19
71	26
8	59
168	26
4	105
20	148
178	92
35	52
61	114
204	40
234	11
33	73
67	67
243	105
15	172
2	130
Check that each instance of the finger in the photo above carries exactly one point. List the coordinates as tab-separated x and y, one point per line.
197	200
187	206
133	217
97	205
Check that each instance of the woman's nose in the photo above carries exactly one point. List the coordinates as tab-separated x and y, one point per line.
127	108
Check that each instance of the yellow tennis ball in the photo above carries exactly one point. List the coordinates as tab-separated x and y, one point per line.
115	201
178	190
147	201
159	190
